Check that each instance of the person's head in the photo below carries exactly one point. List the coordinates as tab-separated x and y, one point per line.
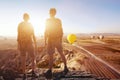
26	17
52	12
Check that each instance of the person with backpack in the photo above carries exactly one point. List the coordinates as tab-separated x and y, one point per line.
53	39
26	42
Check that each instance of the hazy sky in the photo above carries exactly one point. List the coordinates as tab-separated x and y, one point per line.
78	16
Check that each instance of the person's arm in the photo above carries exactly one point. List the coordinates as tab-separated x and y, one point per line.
18	36
45	33
45	37
34	39
61	29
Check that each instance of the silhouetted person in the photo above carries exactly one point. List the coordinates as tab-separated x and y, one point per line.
53	39
26	42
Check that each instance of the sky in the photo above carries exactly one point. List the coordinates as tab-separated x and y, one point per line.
77	16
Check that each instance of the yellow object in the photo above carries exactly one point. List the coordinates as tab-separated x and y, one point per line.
71	38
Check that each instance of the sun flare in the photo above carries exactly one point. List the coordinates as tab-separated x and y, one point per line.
38	25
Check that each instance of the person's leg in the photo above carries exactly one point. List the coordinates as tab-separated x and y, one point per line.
60	50
50	51
31	52
63	57
48	73
50	61
23	61
64	61
33	61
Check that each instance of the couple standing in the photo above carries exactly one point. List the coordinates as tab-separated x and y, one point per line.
53	39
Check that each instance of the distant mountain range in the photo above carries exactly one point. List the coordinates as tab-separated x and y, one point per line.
78	34
97	34
2	37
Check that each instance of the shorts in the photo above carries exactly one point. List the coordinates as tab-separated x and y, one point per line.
28	48
54	43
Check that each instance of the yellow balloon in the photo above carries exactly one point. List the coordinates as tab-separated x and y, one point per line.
71	38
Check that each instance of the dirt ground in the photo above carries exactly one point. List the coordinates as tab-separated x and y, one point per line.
107	49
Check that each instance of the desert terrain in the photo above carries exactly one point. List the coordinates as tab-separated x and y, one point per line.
107	49
103	53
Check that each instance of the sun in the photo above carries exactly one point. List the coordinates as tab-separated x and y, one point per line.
39	26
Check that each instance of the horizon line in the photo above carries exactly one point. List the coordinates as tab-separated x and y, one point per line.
66	34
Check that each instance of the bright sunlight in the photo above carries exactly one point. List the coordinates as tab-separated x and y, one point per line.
39	26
